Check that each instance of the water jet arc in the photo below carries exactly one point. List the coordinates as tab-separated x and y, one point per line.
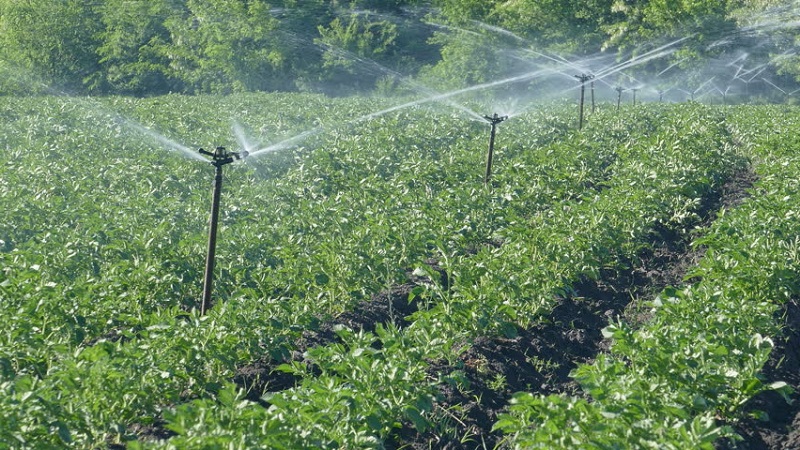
219	157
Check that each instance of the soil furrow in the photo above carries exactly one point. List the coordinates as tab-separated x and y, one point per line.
538	359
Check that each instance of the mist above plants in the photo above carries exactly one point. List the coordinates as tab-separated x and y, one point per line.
724	51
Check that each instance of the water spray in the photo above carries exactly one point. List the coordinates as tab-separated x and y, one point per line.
219	157
583	78
494	120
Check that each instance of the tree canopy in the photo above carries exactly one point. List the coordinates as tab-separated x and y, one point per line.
150	47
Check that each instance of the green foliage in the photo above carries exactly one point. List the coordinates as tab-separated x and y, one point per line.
561	25
54	40
103	238
223	46
700	357
134	47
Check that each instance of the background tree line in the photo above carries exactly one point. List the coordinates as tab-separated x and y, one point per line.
150	47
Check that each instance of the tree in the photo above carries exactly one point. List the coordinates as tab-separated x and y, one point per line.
573	26
133	46
53	39
354	50
224	46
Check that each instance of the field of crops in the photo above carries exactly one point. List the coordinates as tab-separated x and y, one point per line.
363	274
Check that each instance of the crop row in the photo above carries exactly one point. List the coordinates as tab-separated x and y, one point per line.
699	359
105	239
362	388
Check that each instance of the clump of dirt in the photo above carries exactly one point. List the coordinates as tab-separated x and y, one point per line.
155	431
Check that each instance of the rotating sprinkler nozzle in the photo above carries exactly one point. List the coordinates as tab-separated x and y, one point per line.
494	120
583	78
219	157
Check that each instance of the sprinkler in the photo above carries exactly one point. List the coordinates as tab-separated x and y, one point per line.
634	95
619	90
592	85
494	120
583	78
660	95
219	158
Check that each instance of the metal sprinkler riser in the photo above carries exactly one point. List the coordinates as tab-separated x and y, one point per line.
583	78
494	120
219	158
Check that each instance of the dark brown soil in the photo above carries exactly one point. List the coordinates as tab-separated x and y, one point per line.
538	359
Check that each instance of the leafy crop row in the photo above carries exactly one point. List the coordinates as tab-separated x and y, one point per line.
665	384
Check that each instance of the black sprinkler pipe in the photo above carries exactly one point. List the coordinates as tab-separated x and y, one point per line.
494	120
220	157
583	78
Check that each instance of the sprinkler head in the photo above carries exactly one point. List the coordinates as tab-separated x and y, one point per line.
495	119
220	156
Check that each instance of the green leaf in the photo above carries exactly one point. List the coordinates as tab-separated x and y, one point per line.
413	414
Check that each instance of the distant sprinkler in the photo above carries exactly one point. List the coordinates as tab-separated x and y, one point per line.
689	93
592	84
494	120
619	90
660	96
583	78
219	157
634	95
